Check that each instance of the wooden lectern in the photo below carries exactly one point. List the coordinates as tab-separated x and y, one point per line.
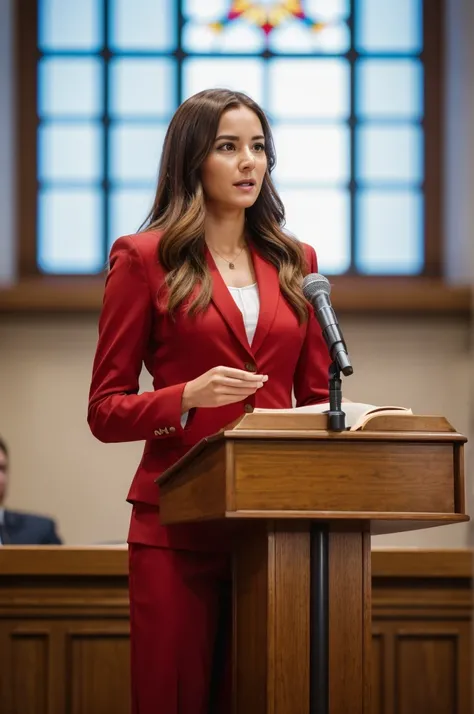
307	501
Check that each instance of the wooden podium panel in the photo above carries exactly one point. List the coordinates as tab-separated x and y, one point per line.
346	475
272	621
391	480
306	501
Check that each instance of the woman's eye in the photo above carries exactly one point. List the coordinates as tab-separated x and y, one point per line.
226	147
259	147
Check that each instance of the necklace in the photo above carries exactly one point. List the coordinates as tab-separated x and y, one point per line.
231	263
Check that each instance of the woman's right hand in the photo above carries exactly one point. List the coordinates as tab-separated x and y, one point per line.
220	386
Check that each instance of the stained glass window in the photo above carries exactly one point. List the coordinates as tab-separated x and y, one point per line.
341	80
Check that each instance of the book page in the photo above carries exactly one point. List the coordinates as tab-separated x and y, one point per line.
363	419
355	411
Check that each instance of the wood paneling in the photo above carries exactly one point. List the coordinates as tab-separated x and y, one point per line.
431	658
64	629
422	632
30	665
97	660
378	667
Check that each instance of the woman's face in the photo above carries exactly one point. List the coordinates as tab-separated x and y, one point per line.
232	174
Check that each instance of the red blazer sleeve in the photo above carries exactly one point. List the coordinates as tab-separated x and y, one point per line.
311	375
116	411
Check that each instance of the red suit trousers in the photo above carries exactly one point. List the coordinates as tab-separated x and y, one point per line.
180	631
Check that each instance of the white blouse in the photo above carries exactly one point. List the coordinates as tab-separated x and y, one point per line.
247	300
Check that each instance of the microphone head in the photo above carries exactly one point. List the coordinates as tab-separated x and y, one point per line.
314	284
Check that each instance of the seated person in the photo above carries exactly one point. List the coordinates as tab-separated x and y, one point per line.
22	528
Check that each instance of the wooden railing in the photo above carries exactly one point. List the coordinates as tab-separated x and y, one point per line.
64	634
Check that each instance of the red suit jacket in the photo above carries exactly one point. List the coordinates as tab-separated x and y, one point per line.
133	330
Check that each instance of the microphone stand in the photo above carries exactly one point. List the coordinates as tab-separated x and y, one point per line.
336	417
319	572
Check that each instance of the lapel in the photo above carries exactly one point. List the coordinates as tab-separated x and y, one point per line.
269	294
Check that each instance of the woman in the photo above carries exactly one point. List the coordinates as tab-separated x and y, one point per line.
208	296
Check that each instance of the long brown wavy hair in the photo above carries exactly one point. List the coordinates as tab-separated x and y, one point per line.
179	206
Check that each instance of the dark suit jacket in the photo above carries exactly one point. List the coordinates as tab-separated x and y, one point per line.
29	529
134	329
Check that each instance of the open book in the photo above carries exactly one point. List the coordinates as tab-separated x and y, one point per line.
357	414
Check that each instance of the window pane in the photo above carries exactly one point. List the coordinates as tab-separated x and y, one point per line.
70	230
245	75
203	33
295	36
142	25
70	152
388	26
327	10
128	209
236	37
320	217
390	153
70	25
390	232
142	87
309	88
390	88
135	151
209	11
312	153
70	87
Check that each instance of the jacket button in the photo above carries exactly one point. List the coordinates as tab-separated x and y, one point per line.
250	367
248	408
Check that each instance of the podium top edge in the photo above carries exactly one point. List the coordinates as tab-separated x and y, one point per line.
322	435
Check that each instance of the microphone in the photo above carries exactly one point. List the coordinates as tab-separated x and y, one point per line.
316	289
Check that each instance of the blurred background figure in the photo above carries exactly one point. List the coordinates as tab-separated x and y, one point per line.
18	528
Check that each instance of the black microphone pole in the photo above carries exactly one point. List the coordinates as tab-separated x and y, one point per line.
336	417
